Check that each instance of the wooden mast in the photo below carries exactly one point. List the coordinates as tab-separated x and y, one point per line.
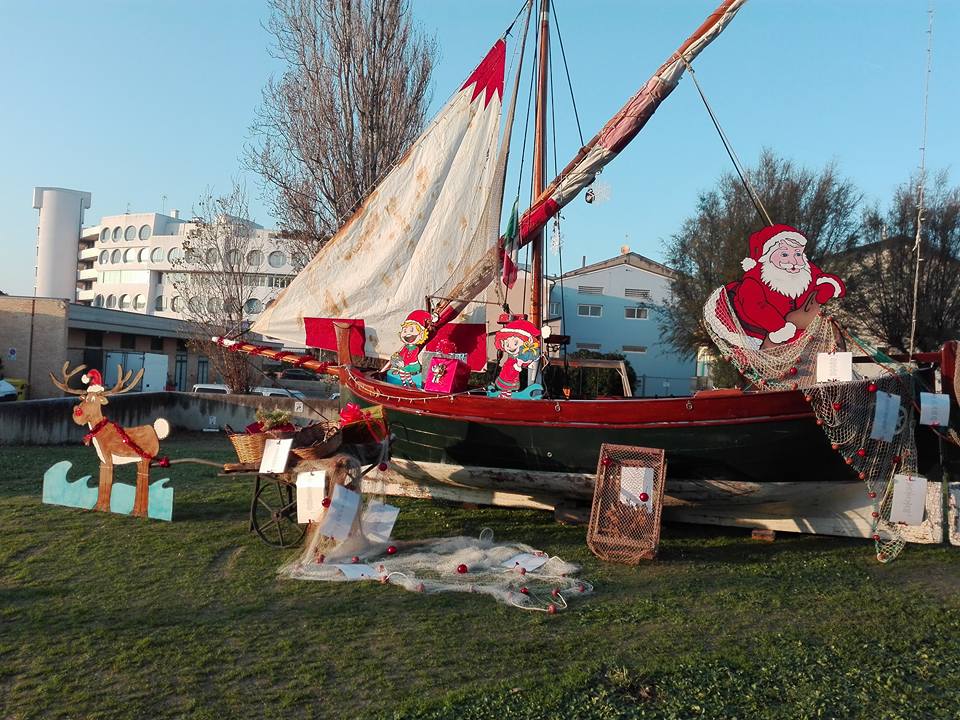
540	164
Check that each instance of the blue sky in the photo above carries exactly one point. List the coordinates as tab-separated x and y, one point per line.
136	100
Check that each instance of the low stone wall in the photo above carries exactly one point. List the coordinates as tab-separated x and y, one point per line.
50	422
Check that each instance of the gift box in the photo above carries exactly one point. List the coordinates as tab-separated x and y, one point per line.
447	373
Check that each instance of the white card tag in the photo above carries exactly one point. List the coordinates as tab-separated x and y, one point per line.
358	571
886	413
528	561
275	453
909	499
635	481
834	367
338	520
378	521
311	489
934	409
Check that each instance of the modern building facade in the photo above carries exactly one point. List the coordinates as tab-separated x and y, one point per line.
616	306
131	262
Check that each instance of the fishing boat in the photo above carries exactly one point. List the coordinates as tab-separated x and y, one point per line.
428	234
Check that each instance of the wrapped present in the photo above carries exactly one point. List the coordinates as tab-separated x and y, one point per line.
446	374
360	425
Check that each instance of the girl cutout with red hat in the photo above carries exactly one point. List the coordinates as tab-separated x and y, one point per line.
778	280
405	367
520	343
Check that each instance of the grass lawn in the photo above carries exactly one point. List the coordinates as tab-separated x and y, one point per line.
109	616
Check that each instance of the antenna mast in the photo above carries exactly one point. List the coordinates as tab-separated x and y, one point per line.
921	181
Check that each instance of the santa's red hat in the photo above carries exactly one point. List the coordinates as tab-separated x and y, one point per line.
762	241
93	381
420	317
523	329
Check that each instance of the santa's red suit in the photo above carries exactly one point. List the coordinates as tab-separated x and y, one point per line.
760	304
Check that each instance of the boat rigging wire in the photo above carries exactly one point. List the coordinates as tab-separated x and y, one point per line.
744	178
921	181
563	55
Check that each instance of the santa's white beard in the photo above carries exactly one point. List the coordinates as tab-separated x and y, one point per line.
790	284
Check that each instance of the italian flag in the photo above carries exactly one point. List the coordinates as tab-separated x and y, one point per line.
510	248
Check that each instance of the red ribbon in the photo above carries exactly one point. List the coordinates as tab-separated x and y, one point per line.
351	412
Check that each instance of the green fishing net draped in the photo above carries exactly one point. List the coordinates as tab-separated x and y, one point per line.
845	411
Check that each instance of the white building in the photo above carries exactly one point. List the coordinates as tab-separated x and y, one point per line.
128	262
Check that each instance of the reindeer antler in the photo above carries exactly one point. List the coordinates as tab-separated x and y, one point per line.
64	384
123	385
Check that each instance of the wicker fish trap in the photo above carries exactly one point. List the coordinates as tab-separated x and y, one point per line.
627	504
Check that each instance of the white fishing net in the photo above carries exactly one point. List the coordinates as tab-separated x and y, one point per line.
456	564
844	410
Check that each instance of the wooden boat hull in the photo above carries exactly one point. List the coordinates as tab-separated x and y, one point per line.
761	437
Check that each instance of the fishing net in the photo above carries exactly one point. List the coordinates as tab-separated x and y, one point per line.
512	573
627	503
845	411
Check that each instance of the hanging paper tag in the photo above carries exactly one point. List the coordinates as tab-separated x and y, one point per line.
934	409
528	561
378	521
311	489
909	499
275	453
358	571
834	367
338	520
886	413
634	482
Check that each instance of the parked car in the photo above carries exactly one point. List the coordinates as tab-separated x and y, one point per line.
297	374
7	391
213	388
278	392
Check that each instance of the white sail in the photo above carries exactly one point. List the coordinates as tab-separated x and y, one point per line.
419	227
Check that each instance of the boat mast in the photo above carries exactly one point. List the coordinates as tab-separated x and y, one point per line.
539	181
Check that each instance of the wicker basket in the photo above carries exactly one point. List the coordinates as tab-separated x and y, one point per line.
322	449
249	446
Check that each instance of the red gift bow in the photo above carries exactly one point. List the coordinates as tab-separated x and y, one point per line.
351	412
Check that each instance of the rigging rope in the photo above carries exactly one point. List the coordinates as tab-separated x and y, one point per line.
744	178
563	55
921	181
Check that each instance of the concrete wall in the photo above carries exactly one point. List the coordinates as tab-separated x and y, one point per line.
48	319
50	422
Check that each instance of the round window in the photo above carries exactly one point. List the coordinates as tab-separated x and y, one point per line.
196	305
143	255
211	256
145	232
139	302
175	255
156	255
98	301
277	259
233	258
124	302
254	258
104	257
111	301
116	256
129	255
116	233
214	304
104	234
158	303
253	306
176	304
130	233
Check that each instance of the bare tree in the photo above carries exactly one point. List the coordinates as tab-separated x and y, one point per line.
710	245
217	280
351	100
879	302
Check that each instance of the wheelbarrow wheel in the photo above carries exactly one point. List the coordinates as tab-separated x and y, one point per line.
273	515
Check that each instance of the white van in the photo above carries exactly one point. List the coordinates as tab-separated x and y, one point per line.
278	392
211	388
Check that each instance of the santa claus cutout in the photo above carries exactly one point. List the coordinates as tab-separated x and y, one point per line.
405	366
519	341
780	292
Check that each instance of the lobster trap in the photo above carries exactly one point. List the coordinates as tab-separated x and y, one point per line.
627	504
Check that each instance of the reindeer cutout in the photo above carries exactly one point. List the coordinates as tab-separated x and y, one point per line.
114	444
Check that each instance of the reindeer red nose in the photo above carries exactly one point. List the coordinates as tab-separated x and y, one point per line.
78	411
